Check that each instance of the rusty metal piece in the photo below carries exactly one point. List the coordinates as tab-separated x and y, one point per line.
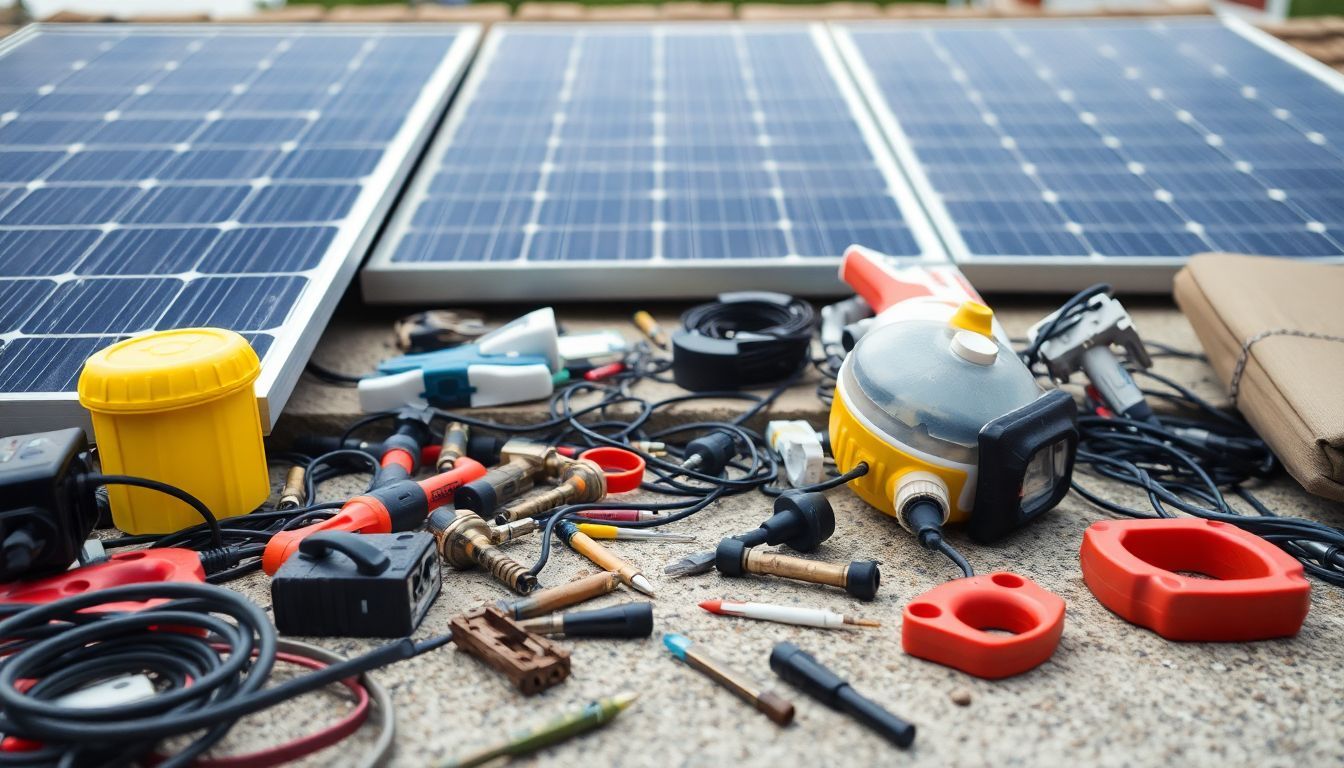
563	596
531	662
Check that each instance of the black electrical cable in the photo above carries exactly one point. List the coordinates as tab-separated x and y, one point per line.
202	691
742	340
330	376
216	536
1189	462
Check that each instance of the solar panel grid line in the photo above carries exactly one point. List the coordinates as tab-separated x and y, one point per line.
219	237
669	152
1139	151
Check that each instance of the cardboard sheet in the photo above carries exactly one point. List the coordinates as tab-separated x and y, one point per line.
1273	330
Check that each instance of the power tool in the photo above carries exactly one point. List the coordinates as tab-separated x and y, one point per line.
948	419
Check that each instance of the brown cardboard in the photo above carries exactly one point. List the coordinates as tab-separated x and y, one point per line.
1289	389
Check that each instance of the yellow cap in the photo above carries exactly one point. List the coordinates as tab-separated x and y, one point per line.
974	316
166	370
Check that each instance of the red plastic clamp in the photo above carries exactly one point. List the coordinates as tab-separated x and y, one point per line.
139	567
1137	569
951	624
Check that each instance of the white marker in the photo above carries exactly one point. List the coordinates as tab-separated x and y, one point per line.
784	614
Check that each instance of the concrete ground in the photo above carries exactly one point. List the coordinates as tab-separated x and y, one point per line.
1113	694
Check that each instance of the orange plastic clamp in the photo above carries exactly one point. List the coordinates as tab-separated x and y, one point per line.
1256	590
950	624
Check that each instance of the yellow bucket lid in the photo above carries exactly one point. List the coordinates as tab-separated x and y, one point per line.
166	370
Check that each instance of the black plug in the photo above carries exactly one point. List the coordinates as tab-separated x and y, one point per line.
801	522
709	454
925	518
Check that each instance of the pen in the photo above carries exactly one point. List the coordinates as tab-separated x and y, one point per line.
603	558
769	703
599	531
786	614
568	725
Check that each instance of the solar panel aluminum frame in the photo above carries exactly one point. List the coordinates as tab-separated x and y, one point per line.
1042	274
294	342
386	281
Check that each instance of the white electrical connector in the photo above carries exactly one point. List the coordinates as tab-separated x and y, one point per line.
800	446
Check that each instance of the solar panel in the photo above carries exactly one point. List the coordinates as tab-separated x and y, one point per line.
175	176
636	160
1053	153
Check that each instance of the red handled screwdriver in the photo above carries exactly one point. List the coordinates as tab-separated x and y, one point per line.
401	505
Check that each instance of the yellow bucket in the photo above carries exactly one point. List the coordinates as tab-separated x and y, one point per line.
178	407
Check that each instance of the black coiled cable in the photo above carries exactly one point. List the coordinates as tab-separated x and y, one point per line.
201	689
741	340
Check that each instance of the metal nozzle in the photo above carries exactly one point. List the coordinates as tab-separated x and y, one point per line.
454	445
581	481
294	494
464	542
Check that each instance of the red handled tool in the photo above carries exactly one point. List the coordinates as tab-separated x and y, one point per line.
139	567
1137	569
402	505
950	625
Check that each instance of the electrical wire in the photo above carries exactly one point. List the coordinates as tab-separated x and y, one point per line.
64	646
1188	461
216	536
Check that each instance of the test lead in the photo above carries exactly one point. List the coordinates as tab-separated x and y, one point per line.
786	614
599	531
650	328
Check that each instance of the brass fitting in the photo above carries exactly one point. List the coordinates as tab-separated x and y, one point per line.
454	446
294	494
502	534
859	578
581	481
463	540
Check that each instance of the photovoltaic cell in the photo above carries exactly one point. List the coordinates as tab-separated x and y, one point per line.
1124	145
654	160
176	176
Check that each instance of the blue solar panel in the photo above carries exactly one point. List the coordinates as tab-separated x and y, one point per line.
651	160
1109	142
155	178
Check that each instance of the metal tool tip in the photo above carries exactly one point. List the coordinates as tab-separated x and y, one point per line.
642	584
861	622
624	699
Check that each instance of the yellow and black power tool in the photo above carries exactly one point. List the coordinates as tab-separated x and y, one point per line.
950	422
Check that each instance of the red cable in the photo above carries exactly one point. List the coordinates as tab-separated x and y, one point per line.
304	745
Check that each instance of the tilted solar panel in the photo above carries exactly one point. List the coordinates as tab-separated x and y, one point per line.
164	177
634	160
1054	153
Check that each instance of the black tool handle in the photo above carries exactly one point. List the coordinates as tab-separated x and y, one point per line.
800	669
368	559
628	620
871	714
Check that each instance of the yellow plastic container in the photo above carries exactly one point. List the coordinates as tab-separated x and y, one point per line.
178	407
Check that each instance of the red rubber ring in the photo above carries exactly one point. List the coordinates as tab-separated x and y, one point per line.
949	625
624	469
